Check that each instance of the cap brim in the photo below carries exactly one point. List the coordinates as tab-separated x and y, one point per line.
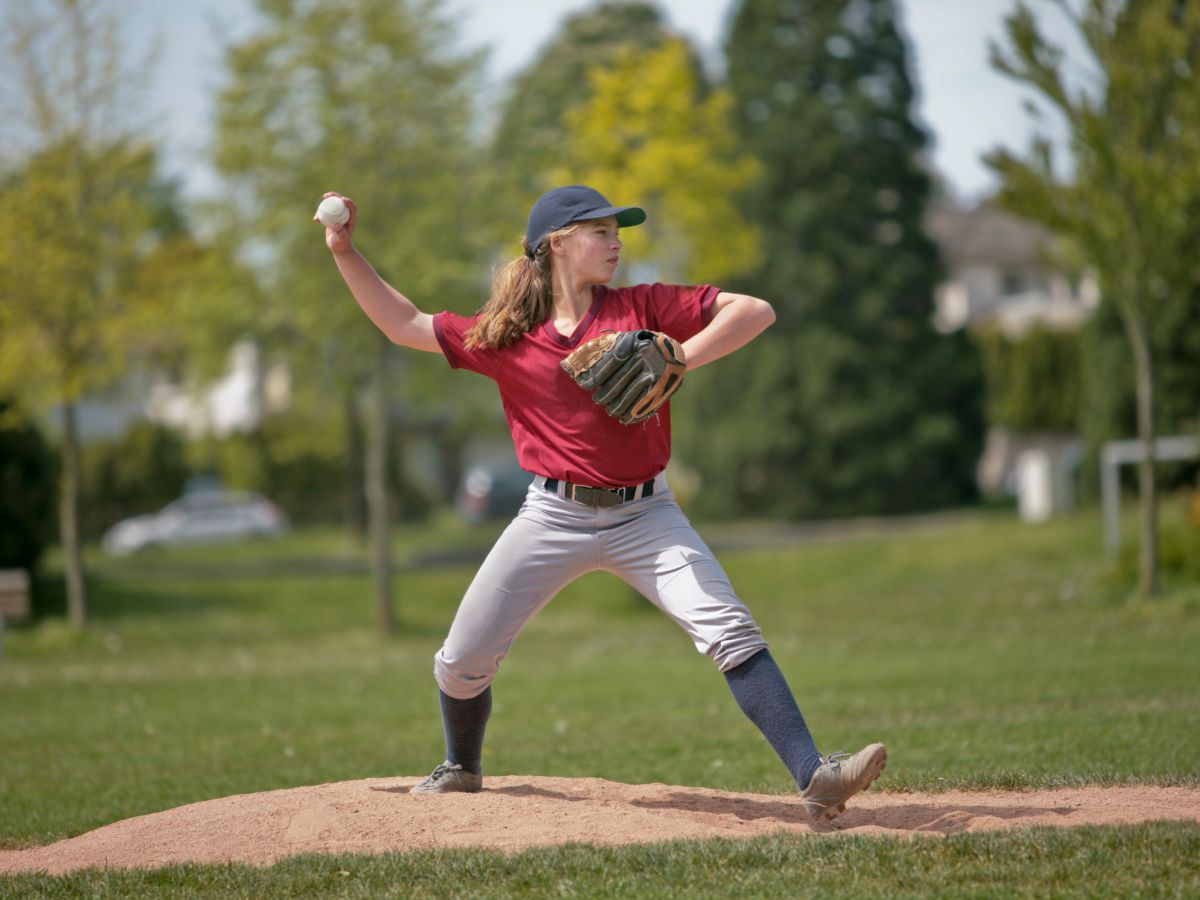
627	216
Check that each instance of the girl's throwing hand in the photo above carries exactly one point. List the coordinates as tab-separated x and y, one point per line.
338	237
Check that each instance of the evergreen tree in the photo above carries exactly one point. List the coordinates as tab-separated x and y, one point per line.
27	489
866	407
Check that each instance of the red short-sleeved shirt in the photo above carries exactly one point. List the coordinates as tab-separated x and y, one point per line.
558	430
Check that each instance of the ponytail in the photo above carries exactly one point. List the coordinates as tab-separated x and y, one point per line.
522	298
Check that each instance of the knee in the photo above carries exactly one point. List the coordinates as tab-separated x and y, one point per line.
736	646
459	680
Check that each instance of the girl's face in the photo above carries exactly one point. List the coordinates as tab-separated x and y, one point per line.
591	252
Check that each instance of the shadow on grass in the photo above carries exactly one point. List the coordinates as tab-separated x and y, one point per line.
114	599
157	564
176	596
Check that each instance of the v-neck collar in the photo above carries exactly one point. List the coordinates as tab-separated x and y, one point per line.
598	294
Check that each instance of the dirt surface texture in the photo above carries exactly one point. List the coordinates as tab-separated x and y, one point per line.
513	813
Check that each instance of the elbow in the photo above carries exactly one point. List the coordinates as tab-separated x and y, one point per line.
764	313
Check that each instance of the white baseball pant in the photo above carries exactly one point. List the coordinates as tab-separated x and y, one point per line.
648	542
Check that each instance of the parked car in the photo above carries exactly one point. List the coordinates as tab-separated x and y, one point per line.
204	517
492	491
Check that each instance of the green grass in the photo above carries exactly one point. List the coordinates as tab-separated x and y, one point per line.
984	652
1152	860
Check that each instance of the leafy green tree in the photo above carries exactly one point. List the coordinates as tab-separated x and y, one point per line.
363	97
533	129
202	302
1129	200
651	131
82	203
852	403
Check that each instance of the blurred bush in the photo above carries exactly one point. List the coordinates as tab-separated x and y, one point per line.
1178	543
303	467
28	485
139	472
1034	383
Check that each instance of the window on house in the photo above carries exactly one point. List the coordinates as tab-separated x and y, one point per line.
1013	281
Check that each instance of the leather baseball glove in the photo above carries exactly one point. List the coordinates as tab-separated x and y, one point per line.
630	373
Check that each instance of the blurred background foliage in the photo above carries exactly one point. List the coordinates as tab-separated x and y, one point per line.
653	129
799	173
27	490
852	403
1018	371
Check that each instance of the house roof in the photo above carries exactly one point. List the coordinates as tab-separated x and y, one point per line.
985	234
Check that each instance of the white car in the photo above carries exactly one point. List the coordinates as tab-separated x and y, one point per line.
205	517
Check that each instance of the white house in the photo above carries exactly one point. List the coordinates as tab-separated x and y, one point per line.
237	402
248	391
1001	273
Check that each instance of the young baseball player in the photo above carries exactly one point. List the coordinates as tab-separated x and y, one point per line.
584	371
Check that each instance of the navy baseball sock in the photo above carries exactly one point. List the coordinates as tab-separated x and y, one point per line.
764	696
464	722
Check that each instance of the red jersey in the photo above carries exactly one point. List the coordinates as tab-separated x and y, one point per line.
558	430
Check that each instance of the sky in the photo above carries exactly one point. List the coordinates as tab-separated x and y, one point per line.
967	107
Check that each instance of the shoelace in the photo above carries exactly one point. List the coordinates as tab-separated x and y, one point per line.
442	770
835	760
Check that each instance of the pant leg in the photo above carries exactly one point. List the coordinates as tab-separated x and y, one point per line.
651	544
550	543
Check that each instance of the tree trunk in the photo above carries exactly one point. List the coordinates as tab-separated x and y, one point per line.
1147	489
377	495
68	519
355	500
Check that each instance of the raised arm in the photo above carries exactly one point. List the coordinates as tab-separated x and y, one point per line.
392	312
737	320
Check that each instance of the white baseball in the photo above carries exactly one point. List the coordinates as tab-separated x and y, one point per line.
333	211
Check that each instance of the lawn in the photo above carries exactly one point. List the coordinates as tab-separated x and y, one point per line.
986	653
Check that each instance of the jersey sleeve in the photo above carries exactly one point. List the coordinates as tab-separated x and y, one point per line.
677	310
450	330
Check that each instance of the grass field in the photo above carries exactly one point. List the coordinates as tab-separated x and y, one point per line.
984	652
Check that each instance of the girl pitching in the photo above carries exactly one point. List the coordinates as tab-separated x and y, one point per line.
598	499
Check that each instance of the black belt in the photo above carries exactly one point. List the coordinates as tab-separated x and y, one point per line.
600	497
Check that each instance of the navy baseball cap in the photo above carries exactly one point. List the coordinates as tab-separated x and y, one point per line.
575	203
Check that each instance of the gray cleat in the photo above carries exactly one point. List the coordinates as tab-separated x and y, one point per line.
450	778
839	777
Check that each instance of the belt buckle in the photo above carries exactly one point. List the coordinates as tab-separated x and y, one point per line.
598	497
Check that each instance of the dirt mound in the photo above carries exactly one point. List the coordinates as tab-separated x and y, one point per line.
379	815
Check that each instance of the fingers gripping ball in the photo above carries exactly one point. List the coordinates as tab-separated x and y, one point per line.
630	373
332	212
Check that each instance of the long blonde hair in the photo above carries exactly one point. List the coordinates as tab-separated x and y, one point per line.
522	297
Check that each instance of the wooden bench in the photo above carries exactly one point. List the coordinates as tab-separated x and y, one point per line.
14	595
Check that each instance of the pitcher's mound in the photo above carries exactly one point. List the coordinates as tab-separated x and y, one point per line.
379	815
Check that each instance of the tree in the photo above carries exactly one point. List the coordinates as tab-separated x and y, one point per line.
533	129
852	401
1130	200
385	118
650	131
79	208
